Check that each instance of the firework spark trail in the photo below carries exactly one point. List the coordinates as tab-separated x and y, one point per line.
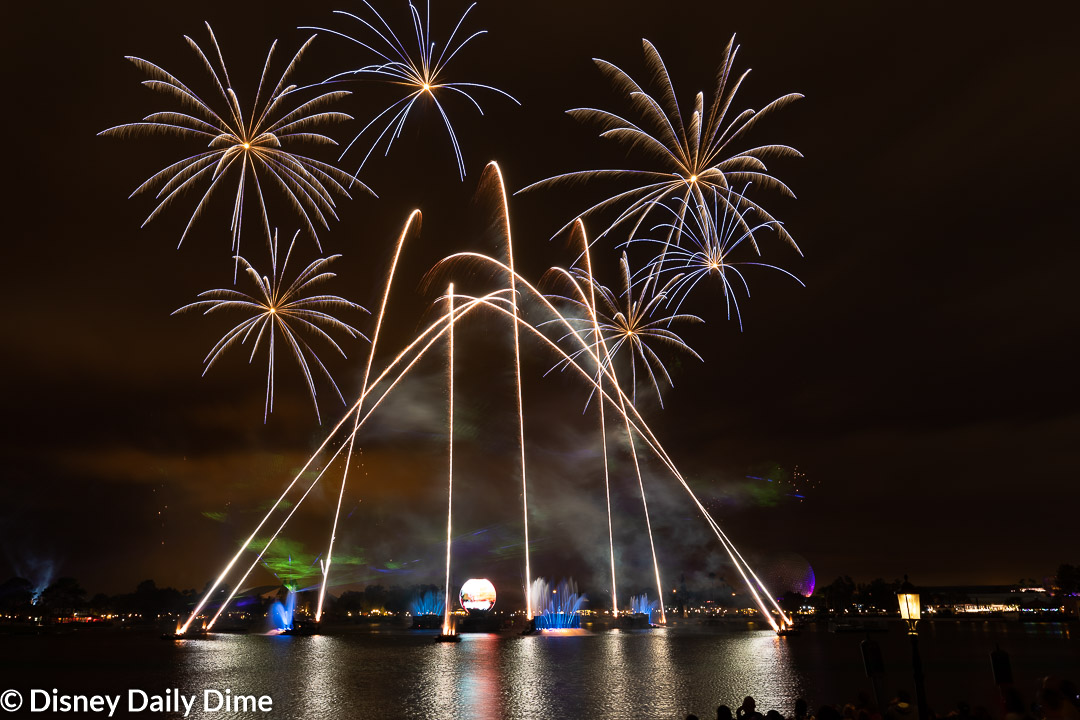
421	76
632	325
276	307
273	537
765	591
488	300
432	328
494	168
228	568
492	301
607	499
251	142
694	155
721	535
370	411
646	434
590	308
729	546
599	338
601	343
625	405
446	629
641	484
645	506
414	215
710	242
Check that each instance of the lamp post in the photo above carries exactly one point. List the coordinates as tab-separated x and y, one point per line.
911	612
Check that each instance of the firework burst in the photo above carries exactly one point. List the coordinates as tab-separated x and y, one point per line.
248	147
706	244
624	320
504	302
696	156
281	309
419	70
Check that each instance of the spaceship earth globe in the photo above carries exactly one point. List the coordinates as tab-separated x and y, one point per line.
477	594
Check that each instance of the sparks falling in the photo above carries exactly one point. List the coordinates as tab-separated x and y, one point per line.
281	309
414	221
249	147
504	303
419	69
706	251
447	629
694	156
624	320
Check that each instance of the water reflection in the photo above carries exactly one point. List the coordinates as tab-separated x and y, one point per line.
665	680
624	692
527	677
439	699
655	673
622	674
325	695
242	665
478	684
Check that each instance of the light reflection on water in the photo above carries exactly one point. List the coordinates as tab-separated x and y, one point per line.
627	695
655	673
620	674
325	693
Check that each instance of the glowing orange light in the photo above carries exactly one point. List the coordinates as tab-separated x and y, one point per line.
426	87
247	146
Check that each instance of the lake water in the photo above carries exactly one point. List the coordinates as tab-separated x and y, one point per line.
655	673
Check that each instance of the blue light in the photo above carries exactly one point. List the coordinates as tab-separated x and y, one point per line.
557	608
281	616
430	603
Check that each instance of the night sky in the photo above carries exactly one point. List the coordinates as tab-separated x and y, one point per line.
924	381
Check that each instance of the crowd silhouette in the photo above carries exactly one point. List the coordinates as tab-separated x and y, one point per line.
1054	698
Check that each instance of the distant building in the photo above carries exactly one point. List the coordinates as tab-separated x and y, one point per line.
987	600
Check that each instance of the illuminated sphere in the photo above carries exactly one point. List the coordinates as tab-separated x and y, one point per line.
789	571
477	594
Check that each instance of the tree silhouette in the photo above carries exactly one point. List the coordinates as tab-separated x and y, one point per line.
64	594
15	593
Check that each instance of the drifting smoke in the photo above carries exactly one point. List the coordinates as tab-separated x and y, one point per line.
40	571
788	572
